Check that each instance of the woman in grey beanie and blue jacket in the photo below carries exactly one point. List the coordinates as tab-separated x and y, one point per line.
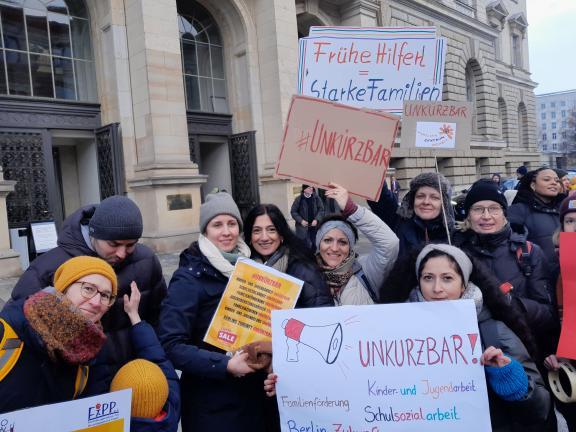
218	392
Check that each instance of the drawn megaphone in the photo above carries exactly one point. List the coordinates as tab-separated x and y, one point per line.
326	340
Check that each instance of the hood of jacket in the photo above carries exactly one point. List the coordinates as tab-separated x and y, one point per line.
430	179
70	237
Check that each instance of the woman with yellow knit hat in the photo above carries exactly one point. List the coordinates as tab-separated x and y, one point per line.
48	339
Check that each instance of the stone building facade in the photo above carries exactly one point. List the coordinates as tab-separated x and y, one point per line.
166	99
556	116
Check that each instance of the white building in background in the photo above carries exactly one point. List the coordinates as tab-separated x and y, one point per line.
166	99
556	113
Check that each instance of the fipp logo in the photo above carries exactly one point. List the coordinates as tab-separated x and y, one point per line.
102	411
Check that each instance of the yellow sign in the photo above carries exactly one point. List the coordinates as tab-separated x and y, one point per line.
244	313
113	426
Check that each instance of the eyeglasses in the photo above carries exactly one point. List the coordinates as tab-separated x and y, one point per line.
89	291
492	210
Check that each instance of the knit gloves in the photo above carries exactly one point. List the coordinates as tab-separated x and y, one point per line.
509	382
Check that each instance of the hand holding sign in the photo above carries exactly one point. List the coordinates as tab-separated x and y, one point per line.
338	193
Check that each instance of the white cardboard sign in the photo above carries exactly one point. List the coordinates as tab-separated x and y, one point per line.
108	412
403	367
372	68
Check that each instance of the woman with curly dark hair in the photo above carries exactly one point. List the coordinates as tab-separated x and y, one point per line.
516	392
274	244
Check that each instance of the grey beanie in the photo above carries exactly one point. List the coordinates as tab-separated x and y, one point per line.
116	218
217	204
335	224
459	256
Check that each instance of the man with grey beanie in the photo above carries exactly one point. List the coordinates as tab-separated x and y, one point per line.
109	230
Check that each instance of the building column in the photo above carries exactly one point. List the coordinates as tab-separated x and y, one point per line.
9	258
164	182
277	45
361	13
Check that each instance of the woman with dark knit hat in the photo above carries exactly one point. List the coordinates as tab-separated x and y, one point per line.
519	265
419	219
516	392
51	337
219	392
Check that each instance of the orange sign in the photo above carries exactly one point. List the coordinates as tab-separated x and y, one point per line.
244	313
328	142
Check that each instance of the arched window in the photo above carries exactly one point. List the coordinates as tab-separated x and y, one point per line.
45	50
522	125
202	59
471	93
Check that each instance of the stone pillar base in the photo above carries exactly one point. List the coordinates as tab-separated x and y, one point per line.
9	263
169	199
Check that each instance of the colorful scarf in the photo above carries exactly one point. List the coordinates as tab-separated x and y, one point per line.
337	278
66	333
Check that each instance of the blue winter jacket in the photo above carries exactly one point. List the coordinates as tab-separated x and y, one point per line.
147	347
212	399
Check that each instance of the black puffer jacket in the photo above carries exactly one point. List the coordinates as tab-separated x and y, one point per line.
499	252
540	219
142	266
212	399
412	231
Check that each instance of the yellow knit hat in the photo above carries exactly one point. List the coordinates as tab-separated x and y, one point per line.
149	387
80	266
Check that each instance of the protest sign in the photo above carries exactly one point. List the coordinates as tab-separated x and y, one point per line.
243	314
439	125
326	142
374	68
567	343
402	367
103	413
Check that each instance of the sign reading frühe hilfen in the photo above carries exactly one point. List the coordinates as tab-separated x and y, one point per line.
372	67
326	142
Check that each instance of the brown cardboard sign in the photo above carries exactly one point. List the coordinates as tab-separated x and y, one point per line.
328	142
443	125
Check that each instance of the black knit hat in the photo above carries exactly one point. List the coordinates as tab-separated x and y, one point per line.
484	190
116	218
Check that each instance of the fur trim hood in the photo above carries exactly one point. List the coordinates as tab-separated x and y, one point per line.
430	179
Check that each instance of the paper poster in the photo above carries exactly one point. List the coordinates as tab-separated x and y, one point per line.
436	135
104	413
401	367
327	142
437	125
44	235
567	343
243	314
375	68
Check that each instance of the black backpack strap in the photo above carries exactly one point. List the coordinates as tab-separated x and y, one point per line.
524	255
364	279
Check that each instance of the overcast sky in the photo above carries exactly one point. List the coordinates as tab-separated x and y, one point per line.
552	43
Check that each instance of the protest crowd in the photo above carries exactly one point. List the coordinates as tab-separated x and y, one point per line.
94	314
